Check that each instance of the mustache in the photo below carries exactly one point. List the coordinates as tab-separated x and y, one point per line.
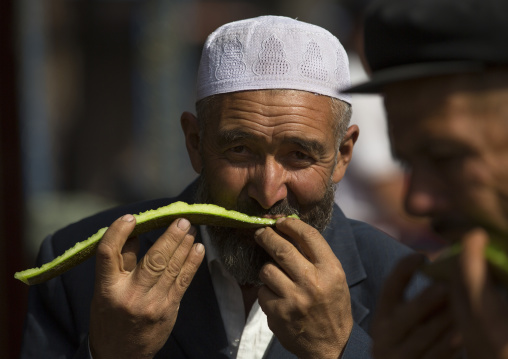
318	213
444	224
283	207
454	227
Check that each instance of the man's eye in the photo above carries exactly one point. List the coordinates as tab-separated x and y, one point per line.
302	156
237	149
446	160
300	159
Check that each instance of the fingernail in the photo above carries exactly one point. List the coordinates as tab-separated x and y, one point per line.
259	231
128	218
281	219
183	224
199	248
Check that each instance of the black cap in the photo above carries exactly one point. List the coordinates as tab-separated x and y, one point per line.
409	39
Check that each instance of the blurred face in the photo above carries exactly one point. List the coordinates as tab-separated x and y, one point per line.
268	153
454	141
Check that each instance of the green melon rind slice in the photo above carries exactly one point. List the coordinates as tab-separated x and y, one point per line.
495	254
197	214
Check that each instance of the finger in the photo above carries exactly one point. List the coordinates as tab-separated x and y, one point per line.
469	284
423	337
447	346
176	263
276	280
307	238
154	263
392	293
430	300
268	300
109	261
416	312
473	266
283	252
189	269
130	254
416	342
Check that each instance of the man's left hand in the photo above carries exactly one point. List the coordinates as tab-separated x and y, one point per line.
305	296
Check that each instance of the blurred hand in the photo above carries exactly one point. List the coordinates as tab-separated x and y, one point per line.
421	327
135	305
306	297
480	310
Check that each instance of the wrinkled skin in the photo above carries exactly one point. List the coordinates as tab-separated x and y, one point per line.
135	305
261	148
452	133
305	297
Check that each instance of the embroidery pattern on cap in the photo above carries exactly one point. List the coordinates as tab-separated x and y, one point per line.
231	63
340	68
271	58
312	65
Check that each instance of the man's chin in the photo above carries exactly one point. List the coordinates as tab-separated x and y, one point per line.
239	253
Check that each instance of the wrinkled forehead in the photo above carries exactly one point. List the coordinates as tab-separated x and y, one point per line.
269	97
409	104
279	110
429	93
434	91
454	109
423	98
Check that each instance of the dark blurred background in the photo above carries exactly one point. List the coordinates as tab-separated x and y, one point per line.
91	96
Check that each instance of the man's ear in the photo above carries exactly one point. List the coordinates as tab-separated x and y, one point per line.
190	127
345	153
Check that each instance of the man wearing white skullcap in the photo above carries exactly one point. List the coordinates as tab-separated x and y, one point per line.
271	138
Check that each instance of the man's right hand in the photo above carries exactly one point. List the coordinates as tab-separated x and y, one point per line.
480	309
417	328
135	305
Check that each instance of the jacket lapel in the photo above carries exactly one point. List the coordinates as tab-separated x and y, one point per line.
201	333
339	236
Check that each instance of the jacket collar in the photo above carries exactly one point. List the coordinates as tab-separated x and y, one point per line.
340	237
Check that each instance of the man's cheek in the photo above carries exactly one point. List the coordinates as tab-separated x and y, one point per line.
225	187
307	192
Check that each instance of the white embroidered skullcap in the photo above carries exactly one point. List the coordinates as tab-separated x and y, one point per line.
273	52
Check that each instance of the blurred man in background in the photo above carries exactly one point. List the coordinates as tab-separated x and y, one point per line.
442	66
372	190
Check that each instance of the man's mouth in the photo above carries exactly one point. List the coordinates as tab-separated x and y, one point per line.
273	216
451	229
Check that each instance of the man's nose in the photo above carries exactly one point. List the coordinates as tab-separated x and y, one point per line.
425	195
268	182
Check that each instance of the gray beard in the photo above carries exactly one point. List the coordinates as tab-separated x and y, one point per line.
238	251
